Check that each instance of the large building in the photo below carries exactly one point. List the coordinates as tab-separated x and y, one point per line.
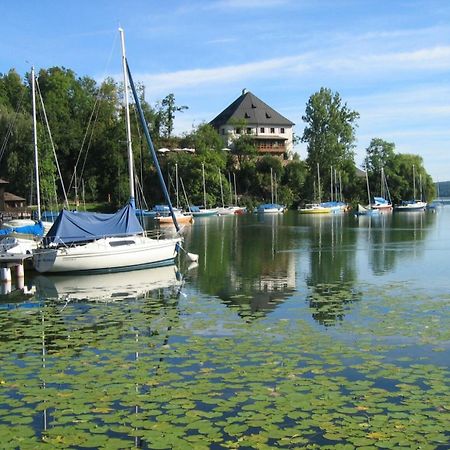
272	132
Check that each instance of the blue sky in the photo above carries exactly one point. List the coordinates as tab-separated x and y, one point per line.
388	59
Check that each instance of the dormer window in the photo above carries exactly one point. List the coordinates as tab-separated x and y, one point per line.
253	106
268	116
247	115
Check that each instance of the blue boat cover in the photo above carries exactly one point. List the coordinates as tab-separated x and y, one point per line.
36	230
72	227
380	201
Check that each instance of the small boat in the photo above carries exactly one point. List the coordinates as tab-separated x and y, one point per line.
366	211
181	217
381	204
230	210
270	208
157	210
411	205
315	208
199	211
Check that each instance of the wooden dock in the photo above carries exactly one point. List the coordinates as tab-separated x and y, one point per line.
11	260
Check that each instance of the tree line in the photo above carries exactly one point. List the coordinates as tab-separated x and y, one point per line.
87	125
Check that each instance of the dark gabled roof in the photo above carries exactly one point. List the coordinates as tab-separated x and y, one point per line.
254	111
12	197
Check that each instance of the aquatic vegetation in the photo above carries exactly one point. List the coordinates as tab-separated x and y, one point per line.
185	372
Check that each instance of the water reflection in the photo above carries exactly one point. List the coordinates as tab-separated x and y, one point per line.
392	238
242	262
333	272
107	287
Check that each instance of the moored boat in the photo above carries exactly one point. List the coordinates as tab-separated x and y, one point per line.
270	208
411	205
92	242
315	208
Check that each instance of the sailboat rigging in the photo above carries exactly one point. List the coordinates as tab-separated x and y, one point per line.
23	235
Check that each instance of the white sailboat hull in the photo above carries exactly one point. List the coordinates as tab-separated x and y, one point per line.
107	255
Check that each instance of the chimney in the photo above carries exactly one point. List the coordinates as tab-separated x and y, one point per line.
244	91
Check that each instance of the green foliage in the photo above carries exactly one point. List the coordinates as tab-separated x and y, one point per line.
87	123
406	177
329	133
167	110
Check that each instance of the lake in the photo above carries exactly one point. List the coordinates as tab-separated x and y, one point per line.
292	331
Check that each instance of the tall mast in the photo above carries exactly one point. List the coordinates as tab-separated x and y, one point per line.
176	185
221	189
204	186
414	182
331	183
368	188
235	190
271	184
36	158
127	119
318	184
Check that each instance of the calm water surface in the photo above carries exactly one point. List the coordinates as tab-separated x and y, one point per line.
291	332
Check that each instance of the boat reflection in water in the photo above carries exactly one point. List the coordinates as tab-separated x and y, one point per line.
108	287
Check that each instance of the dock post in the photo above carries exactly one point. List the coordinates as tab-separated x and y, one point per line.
5	287
20	271
5	274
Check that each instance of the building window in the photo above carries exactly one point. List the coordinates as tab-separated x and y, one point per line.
223	131
249	130
282	130
261	130
272	130
238	131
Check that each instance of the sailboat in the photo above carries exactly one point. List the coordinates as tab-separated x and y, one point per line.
21	236
367	210
181	216
93	242
316	208
273	207
382	203
203	212
412	205
231	209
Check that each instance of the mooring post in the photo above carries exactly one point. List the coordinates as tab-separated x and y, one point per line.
5	287
20	271
5	274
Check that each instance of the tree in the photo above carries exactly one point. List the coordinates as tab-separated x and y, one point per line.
379	155
294	178
329	134
409	179
167	112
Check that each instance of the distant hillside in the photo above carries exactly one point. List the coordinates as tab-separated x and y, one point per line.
443	188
